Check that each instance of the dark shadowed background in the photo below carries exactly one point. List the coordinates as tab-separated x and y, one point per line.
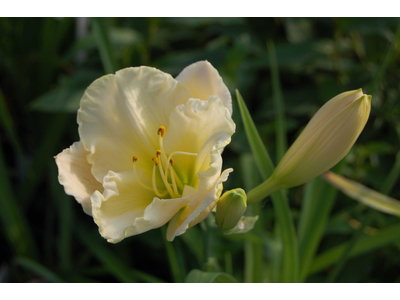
45	66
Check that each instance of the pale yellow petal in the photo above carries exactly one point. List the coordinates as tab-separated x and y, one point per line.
204	80
74	173
329	110
198	209
126	208
120	114
308	158
198	127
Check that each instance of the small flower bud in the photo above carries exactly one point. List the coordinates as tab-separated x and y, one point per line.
230	208
327	138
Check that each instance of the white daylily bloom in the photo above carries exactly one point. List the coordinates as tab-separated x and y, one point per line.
150	150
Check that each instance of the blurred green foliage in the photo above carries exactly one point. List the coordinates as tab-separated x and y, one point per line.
45	66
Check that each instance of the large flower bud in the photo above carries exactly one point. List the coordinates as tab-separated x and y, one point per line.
230	208
327	138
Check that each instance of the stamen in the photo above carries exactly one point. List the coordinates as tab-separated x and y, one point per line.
180	152
173	182
166	183
155	160
161	130
179	182
158	153
135	159
154	181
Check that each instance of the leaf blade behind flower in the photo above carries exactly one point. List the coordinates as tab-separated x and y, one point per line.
279	199
197	276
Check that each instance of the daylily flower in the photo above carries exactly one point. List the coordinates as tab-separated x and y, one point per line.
150	150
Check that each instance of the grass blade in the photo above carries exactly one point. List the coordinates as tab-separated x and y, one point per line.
172	258
197	276
381	202
37	268
318	200
104	45
65	218
253	251
44	154
384	237
279	199
261	156
7	122
392	177
13	221
363	194
110	261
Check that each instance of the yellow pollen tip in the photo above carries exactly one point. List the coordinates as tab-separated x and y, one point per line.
171	161
155	160
161	130
158	153
134	158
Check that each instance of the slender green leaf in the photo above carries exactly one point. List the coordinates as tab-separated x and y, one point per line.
172	258
318	200
261	156
391	56
45	153
109	259
105	47
8	124
67	95
193	239
279	199
368	197
392	177
384	237
65	219
37	268
15	226
363	194
197	276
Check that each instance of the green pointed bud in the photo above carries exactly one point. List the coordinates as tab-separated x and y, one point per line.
327	138
230	208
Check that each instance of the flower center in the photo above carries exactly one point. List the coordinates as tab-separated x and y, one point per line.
165	166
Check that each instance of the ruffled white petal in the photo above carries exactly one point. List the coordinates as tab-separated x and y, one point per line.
204	80
199	208
120	114
198	127
126	209
75	175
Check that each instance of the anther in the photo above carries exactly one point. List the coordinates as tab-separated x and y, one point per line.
134	158
158	153
161	130
155	160
171	161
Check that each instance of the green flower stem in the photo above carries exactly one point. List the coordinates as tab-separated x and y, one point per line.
262	191
172	258
279	199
